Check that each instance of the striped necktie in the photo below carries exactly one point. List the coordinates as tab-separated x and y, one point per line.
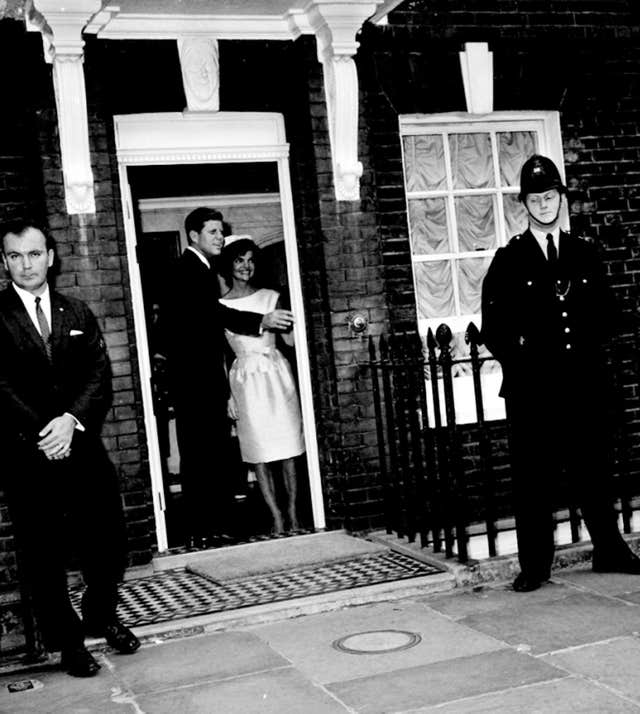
45	331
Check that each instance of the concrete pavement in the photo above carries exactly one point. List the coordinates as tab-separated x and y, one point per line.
572	646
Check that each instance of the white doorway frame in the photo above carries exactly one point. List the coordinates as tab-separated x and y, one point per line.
210	138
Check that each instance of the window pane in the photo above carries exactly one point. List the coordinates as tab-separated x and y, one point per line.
428	223
471	160
471	272
434	289
424	162
515	215
514	148
476	222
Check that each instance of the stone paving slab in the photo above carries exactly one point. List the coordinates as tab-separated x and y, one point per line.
574	620
196	659
463	603
278	692
605	583
614	664
565	695
307	642
442	682
60	693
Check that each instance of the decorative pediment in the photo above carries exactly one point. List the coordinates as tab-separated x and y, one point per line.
197	25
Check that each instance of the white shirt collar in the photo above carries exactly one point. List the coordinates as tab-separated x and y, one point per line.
541	238
199	254
29	302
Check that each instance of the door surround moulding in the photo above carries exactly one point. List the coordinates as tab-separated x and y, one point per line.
216	137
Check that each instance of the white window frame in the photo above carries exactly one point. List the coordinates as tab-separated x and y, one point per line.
546	125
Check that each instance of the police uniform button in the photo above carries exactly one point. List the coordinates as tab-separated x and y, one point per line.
568	346
567	329
561	298
529	282
564	314
584	280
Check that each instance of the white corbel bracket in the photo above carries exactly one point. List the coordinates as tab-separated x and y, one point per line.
335	24
61	25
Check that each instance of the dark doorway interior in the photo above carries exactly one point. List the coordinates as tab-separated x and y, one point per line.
161	241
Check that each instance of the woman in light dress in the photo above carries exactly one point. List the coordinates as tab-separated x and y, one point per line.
264	399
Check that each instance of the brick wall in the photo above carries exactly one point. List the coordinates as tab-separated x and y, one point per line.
91	256
579	58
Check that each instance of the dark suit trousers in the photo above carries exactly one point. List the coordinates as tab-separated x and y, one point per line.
206	469
558	433
72	504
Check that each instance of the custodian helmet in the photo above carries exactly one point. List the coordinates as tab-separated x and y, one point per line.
539	174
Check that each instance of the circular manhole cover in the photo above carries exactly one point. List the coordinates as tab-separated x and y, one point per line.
377	641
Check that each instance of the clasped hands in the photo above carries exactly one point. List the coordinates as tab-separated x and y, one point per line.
278	320
55	441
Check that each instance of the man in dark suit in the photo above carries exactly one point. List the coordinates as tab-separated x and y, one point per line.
547	316
55	389
199	384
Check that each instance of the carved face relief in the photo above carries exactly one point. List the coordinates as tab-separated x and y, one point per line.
200	72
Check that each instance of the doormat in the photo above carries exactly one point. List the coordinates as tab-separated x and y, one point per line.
176	594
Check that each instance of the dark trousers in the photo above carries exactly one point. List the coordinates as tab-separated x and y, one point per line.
559	435
57	507
203	431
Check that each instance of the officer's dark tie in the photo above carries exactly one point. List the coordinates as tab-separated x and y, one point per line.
45	332
552	251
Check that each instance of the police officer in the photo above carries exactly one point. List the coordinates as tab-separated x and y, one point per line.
547	315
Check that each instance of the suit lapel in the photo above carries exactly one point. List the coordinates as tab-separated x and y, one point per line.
59	335
20	324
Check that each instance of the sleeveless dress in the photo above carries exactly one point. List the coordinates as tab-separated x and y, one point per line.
269	421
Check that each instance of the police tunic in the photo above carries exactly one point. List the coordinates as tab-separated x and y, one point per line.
548	325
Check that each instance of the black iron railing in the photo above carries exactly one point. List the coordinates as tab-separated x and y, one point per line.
443	479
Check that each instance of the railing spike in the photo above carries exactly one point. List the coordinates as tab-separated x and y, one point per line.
444	336
431	340
472	335
372	349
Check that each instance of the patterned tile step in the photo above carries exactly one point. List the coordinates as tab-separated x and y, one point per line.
175	594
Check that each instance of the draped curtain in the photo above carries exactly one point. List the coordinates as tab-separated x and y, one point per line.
472	168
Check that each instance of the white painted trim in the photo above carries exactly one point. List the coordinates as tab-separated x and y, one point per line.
144	362
171	202
131	26
221	137
302	355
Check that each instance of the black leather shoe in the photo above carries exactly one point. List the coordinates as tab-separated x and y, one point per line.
197	543
121	638
79	662
626	563
525	584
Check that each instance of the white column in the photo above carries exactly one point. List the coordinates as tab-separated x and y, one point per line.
335	24
61	25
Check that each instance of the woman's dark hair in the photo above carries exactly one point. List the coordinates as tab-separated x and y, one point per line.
233	251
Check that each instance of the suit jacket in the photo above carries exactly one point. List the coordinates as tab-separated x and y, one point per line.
535	322
195	333
34	390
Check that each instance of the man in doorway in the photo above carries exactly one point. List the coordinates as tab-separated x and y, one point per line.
55	389
200	389
547	316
